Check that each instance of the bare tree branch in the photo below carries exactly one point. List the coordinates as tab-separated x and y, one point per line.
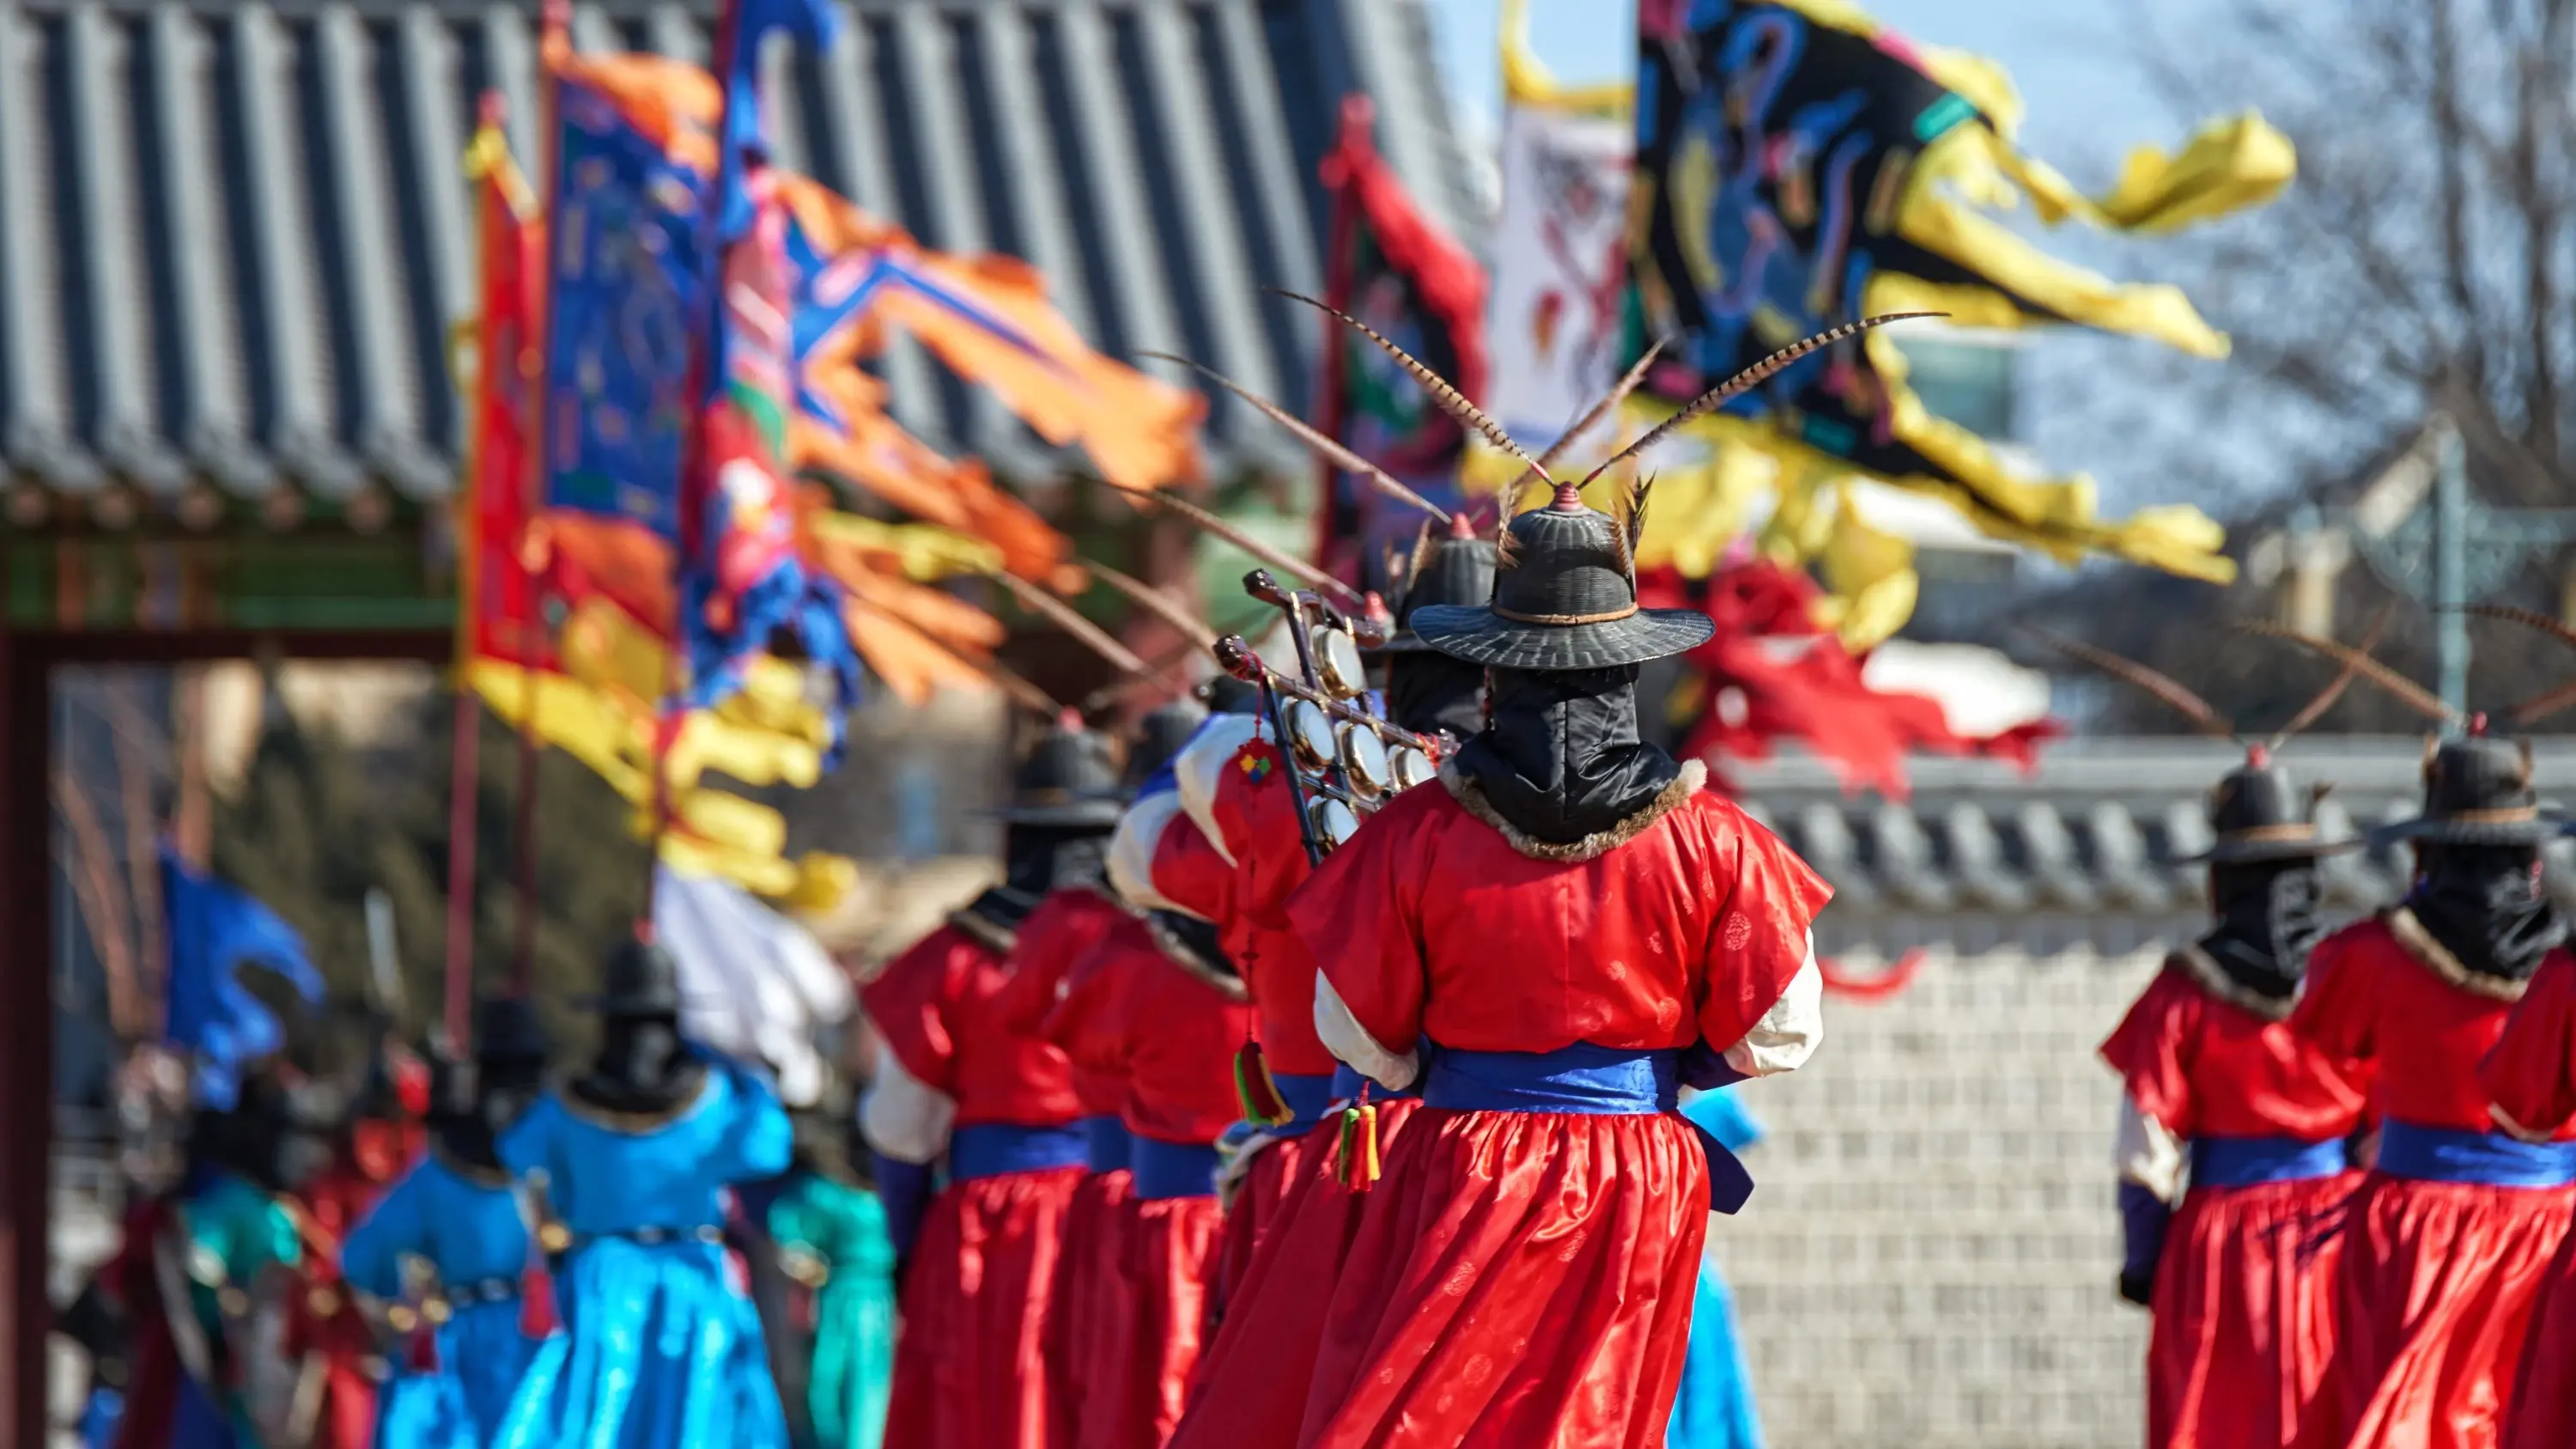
102	900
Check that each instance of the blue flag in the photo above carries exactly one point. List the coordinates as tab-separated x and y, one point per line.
628	289
213	930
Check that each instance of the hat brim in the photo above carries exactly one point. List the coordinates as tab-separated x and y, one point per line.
1479	636
2434	830
1406	642
1101	813
2251	852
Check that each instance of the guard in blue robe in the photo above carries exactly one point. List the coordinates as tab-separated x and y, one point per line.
451	1241
1715	1407
661	1347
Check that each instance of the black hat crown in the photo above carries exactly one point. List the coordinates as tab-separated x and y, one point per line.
2259	813
2478	791
1565	597
1159	736
639	978
506	1029
1069	778
1453	570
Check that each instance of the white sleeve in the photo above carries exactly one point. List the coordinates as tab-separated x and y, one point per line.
1131	850
2147	1153
903	1117
1791	1030
1201	766
1346	1039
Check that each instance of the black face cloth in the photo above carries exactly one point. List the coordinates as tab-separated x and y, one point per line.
2485	904
1038	858
1427	692
1560	757
2270	916
642	1067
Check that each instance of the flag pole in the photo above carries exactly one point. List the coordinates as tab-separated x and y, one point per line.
465	744
554	40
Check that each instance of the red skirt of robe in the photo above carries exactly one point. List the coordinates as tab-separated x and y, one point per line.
1259	1201
1170	1244
2245	1313
1518	1279
1250	1389
1094	1311
2434	1295
969	1361
2543	1410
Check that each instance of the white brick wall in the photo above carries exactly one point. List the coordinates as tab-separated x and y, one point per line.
1928	1257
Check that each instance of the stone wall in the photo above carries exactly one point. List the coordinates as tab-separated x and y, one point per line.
1928	1258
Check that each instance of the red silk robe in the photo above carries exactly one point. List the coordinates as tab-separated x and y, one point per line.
970	1370
2438	1279
1527	1277
2244	1298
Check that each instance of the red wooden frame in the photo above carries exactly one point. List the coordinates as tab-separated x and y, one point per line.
27	661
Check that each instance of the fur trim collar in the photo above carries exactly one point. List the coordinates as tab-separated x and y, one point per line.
2210	977
984	931
1225	983
2437	958
1471	798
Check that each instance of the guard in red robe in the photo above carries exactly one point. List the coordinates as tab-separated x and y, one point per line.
2241	1274
2531	1077
961	1085
1551	943
1283	1257
1090	1318
384	1132
2457	1222
1158	997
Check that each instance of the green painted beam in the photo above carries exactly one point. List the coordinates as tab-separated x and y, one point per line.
315	581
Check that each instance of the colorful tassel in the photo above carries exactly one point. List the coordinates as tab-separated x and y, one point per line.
1358	1146
1262	1102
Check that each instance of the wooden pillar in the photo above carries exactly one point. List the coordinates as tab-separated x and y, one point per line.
27	1062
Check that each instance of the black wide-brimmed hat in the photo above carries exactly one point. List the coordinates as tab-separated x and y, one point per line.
1069	778
1159	736
2477	791
507	1032
1456	569
2259	814
1565	597
638	978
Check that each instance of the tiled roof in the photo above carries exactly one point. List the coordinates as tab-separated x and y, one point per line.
233	235
2101	829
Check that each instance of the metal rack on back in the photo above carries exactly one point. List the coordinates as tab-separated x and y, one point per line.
1344	761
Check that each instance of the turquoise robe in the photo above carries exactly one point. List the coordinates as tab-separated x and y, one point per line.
470	1226
661	1348
834	1237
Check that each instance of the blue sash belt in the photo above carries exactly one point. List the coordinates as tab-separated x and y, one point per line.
1104	1144
1584	1080
992	1149
1308	1095
2246	1161
1173	1169
2444	1154
1347	1082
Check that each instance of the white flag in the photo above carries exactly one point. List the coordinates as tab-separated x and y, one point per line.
1560	266
753	984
